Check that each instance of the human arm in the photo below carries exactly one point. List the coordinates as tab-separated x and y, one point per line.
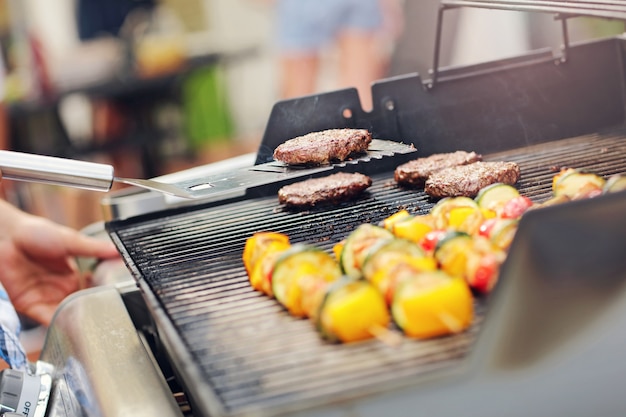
37	261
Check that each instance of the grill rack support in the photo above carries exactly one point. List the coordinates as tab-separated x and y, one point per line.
561	9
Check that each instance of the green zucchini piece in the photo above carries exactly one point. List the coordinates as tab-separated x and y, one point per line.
384	249
451	252
357	247
615	183
298	261
496	195
575	183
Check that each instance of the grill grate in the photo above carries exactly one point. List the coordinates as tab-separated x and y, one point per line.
245	346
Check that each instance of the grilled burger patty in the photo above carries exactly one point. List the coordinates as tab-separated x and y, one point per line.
414	173
467	180
333	188
322	147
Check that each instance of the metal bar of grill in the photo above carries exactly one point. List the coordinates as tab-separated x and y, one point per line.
603	9
253	354
563	10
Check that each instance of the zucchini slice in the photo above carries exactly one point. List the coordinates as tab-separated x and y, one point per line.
503	233
577	184
385	251
614	184
452	251
391	260
494	196
296	265
357	247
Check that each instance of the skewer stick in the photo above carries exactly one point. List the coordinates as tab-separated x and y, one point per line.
385	335
452	323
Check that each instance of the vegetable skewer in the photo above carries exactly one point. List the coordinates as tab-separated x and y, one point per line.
417	270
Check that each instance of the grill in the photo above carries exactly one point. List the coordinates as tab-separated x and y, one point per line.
225	350
251	353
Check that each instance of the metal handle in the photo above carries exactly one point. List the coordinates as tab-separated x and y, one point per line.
59	171
608	9
563	10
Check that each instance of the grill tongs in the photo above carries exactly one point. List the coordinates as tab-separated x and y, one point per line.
72	173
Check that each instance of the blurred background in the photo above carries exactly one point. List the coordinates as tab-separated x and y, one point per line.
157	86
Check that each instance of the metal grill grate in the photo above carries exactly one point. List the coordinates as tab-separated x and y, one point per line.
253	354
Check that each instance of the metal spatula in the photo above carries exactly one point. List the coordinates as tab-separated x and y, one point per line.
80	174
100	177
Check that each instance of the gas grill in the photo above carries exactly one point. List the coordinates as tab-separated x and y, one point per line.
187	335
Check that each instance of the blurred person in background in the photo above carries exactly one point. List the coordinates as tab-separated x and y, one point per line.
363	31
37	264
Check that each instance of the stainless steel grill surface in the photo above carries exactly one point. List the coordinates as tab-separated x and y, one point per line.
238	351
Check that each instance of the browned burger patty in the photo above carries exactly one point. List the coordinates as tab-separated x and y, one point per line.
331	189
467	180
414	173
318	148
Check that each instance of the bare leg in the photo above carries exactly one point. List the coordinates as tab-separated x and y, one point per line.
361	63
298	75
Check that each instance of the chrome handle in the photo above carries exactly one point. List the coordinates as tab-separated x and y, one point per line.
58	171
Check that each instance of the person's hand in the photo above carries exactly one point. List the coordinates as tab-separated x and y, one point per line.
37	265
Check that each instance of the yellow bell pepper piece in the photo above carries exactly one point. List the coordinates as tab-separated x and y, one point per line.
338	248
261	272
459	215
413	229
257	244
401	215
426	307
353	312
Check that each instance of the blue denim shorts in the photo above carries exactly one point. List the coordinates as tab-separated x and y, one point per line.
307	25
